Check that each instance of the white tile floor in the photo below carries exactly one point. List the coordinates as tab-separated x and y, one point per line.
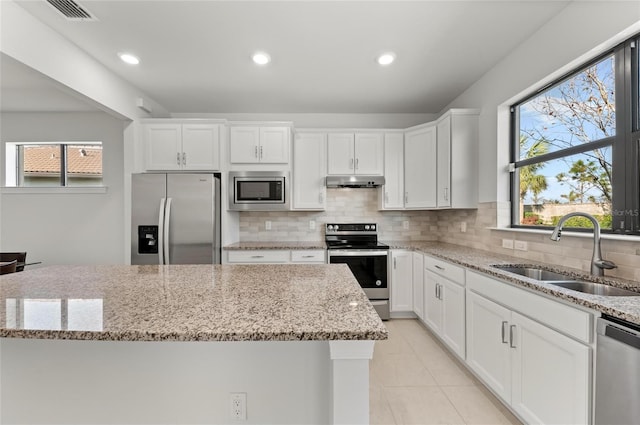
414	380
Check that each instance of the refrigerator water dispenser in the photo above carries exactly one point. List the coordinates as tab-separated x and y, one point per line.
147	239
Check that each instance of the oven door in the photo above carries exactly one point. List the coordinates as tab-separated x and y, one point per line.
368	266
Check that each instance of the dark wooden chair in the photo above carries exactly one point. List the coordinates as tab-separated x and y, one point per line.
8	267
20	257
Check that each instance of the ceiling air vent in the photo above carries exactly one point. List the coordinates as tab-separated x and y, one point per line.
71	10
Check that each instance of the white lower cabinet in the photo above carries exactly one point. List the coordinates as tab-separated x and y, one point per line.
445	310
401	281
541	373
418	285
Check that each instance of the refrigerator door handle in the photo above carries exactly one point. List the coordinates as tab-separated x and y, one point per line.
161	232
167	218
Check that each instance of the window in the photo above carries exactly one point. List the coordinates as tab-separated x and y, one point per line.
575	147
54	164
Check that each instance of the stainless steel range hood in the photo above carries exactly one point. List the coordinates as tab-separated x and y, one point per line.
354	181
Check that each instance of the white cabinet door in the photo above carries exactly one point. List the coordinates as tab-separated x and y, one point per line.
163	145
550	375
392	193
274	145
420	152
418	285
444	162
200	147
488	352
309	171
369	153
244	144
340	153
453	314
401	281
432	304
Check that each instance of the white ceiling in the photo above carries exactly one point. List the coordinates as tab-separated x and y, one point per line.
196	55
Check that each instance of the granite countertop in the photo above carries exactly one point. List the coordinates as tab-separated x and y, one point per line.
255	245
626	308
188	303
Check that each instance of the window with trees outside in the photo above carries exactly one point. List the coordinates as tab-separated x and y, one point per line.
576	147
54	164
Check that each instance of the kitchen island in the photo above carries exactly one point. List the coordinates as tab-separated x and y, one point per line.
169	344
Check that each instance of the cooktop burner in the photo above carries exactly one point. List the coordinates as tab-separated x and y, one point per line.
353	236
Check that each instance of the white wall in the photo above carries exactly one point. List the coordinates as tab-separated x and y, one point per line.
326	120
63	228
580	32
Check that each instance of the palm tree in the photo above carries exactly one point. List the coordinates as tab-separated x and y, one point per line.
530	181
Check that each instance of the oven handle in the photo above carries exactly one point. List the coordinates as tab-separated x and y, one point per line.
357	253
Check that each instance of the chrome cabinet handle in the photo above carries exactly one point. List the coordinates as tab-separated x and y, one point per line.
356	163
440	293
406	197
394	264
439	267
178	158
255	151
446	193
504	332
351	164
257	256
512	331
260	151
184	158
307	256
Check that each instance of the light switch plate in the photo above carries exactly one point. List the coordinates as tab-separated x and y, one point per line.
507	243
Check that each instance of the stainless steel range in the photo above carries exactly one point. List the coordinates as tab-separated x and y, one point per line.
356	244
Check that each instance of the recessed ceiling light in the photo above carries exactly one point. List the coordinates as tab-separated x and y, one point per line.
386	58
129	58
261	58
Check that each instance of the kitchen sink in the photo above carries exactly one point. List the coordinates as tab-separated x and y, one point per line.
596	289
535	273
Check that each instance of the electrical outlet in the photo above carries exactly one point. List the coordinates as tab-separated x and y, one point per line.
405	225
238	406
312	225
463	227
507	243
267	225
520	245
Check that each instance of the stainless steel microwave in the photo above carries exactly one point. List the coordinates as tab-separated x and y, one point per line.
258	190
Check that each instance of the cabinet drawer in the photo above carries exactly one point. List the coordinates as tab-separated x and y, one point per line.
445	269
258	256
308	256
554	314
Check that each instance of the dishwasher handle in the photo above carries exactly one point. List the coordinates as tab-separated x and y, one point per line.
622	335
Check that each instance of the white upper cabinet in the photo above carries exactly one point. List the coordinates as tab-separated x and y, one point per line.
309	171
253	144
420	168
457	174
392	193
178	146
359	153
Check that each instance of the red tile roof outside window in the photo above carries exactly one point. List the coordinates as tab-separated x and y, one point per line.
82	160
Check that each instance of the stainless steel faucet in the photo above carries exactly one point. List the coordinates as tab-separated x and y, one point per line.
597	263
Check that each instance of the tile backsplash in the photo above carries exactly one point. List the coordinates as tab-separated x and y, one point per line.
361	205
343	206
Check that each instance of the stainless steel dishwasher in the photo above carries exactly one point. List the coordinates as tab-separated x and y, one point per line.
617	372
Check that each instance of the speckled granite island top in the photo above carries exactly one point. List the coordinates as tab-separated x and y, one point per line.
626	308
188	303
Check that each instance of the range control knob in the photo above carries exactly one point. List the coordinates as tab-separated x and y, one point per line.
335	227
330	227
366	227
378	283
373	227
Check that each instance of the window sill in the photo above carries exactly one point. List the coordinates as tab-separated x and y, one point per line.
52	190
570	234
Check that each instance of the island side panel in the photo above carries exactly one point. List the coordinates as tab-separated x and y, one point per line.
87	382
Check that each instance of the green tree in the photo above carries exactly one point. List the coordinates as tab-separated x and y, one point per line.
530	181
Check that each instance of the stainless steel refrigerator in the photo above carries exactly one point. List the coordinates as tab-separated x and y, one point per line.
175	219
